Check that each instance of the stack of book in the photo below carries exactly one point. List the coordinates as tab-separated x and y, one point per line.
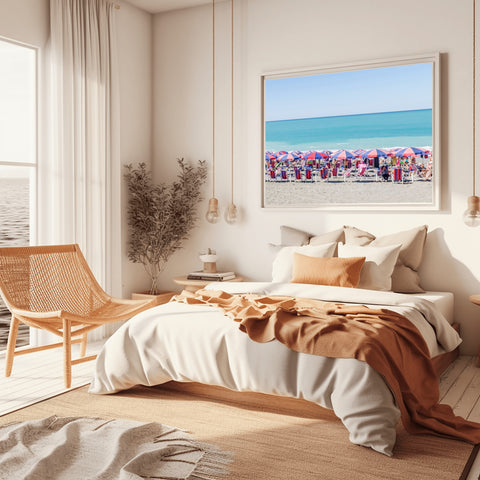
211	276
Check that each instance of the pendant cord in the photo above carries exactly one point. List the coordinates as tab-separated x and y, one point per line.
213	98
473	108
231	168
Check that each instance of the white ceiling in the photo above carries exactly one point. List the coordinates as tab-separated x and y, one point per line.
157	6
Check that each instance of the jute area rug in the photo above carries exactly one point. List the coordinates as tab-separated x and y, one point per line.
270	437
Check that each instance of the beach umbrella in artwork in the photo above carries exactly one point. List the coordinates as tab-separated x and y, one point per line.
288	157
314	155
269	156
281	152
409	152
343	155
392	152
375	152
358	152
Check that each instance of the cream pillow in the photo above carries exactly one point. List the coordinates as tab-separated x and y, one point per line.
292	236
334	236
336	272
405	278
355	236
283	264
379	264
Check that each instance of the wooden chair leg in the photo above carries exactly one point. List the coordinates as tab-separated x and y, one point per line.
83	345
12	340
67	353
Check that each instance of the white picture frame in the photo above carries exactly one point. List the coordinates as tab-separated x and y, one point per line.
319	108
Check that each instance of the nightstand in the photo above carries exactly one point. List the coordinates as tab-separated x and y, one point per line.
194	285
476	300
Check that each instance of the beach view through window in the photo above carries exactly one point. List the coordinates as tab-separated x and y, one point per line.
355	137
17	156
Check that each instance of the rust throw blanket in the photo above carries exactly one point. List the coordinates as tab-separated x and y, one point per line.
385	340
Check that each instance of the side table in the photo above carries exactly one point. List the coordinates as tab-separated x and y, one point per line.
476	300
194	285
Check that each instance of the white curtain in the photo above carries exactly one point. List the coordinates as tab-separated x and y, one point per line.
79	172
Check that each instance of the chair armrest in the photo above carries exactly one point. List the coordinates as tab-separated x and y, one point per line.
128	301
30	314
61	314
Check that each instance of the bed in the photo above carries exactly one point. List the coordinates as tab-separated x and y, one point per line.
347	270
214	351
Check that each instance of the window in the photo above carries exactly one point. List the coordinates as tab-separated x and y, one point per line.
18	155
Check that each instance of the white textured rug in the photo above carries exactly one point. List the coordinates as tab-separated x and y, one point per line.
82	448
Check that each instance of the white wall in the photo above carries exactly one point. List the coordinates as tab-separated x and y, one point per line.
134	41
317	33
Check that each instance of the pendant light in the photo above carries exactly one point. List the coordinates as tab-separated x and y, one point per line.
212	214
471	216
231	214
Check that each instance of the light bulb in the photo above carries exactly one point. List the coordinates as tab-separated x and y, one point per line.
471	216
231	214
212	214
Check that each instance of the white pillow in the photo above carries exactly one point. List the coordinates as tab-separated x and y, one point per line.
379	263
282	268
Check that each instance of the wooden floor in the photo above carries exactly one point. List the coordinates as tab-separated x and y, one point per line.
38	376
460	388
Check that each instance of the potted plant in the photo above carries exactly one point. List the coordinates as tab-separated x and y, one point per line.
160	217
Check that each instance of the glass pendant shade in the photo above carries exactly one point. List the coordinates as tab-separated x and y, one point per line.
471	216
212	214
231	214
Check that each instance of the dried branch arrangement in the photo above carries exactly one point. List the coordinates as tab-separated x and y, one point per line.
160	217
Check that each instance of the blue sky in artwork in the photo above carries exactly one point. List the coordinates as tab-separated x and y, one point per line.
385	89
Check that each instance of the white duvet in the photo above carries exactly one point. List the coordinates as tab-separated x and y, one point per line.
197	343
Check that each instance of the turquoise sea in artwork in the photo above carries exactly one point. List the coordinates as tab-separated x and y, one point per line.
409	128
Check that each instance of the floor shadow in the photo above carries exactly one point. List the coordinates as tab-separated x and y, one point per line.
252	401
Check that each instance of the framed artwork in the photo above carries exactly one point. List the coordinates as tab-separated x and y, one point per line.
357	136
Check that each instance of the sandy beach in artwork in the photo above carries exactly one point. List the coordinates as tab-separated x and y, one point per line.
302	194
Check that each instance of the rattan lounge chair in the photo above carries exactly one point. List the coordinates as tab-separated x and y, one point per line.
53	288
